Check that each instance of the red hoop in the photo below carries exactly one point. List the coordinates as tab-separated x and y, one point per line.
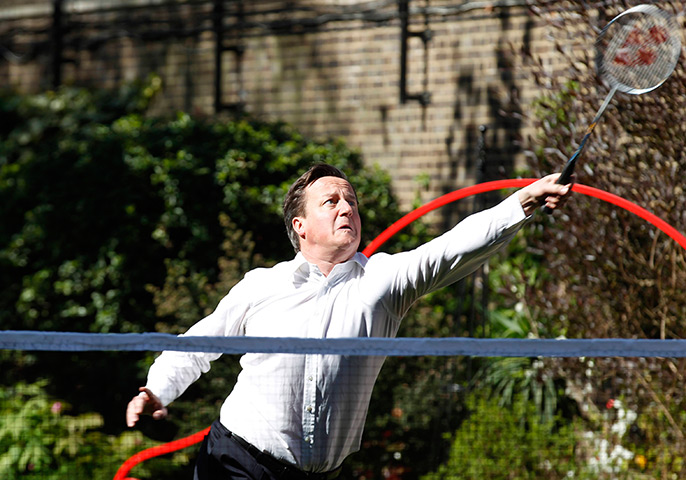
163	449
518	183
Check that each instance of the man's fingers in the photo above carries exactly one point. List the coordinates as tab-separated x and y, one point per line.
159	414
557	201
552	202
145	402
554	194
545	192
134	410
146	391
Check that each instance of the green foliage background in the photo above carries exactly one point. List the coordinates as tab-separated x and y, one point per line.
482	447
615	275
116	221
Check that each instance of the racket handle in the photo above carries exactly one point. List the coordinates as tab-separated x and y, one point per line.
565	177
567	172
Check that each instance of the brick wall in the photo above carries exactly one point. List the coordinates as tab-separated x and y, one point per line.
328	67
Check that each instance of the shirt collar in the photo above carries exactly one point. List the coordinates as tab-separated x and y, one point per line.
302	268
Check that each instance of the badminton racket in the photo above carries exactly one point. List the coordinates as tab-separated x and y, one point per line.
635	53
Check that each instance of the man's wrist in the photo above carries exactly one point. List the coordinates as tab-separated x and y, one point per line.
528	202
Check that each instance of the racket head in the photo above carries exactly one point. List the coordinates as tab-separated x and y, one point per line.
639	49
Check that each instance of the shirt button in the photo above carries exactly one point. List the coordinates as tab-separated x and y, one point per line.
310	378
309	409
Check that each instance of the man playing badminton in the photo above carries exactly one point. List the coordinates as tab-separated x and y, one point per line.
299	416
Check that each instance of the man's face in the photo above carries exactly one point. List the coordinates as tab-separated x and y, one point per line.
331	226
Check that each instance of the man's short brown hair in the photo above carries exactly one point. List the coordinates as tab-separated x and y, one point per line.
294	203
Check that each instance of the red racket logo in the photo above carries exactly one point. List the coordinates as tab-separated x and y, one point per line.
636	37
639	47
658	34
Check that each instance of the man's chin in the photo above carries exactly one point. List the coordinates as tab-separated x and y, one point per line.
350	248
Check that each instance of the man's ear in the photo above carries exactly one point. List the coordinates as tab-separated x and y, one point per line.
299	226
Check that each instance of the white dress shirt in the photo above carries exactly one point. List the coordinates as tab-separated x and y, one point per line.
309	410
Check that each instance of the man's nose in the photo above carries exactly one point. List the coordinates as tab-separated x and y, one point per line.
344	208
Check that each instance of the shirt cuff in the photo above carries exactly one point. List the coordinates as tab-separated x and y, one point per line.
513	210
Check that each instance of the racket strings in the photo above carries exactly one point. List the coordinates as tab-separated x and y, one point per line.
640	52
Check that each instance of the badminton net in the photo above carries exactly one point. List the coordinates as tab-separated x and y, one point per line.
442	408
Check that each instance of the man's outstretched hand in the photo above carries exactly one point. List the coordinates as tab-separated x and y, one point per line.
544	192
145	403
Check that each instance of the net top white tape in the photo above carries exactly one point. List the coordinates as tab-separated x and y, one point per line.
459	346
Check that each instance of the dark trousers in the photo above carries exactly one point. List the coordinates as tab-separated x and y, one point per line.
224	456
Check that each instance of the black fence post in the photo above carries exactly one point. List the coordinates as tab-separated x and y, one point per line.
218	27
424	97
57	37
481	203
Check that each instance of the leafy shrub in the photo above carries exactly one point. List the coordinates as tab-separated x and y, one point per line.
100	200
613	275
118	221
39	439
505	443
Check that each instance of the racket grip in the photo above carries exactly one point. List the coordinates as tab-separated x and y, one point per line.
564	179
566	175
